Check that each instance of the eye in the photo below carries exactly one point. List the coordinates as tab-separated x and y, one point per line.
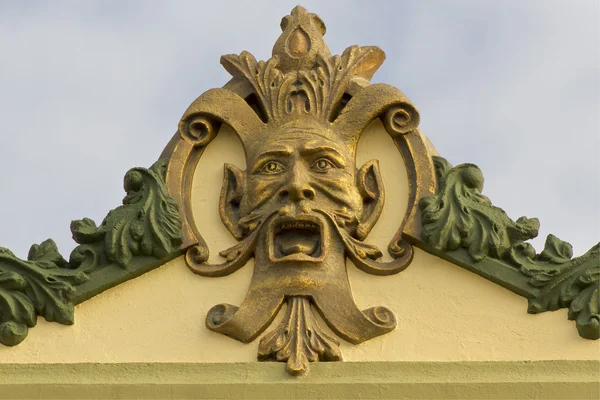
322	165
272	167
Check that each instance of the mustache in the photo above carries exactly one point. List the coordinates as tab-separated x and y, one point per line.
256	218
341	218
363	255
235	257
354	247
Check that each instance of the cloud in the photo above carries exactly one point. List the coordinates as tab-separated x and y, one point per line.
90	89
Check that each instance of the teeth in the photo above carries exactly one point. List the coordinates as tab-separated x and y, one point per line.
299	225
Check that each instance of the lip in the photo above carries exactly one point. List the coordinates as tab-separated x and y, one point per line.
310	229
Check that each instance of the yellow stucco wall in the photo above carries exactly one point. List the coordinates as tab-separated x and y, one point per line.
445	313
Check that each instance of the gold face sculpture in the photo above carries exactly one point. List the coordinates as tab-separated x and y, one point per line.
302	206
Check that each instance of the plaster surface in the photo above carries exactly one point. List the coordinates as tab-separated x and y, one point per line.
445	313
349	380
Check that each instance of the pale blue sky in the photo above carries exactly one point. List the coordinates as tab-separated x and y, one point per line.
90	89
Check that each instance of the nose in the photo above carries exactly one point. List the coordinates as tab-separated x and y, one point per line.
298	188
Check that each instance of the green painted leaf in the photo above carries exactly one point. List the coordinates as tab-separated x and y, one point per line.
459	216
14	304
556	251
585	307
574	283
86	231
147	224
46	255
38	286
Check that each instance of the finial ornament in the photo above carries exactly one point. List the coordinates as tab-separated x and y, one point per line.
301	41
301	207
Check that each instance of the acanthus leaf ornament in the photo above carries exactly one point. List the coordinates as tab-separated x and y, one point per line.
41	285
298	340
139	235
461	225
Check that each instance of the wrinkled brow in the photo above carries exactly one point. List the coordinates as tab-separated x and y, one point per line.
283	152
309	149
278	152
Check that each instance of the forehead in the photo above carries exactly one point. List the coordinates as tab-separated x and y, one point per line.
300	142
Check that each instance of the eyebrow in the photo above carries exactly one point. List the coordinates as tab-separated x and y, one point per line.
330	151
283	152
319	149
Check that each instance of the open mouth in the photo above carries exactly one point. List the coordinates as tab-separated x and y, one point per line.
295	239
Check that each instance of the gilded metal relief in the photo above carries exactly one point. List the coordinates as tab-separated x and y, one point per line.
302	206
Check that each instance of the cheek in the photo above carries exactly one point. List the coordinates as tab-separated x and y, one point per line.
339	190
354	200
259	190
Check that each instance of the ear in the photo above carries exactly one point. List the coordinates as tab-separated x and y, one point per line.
370	186
231	196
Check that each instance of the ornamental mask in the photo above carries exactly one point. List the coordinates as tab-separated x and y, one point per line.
302	206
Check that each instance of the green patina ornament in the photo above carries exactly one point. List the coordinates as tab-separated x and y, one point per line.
460	216
41	285
564	282
462	226
134	238
147	224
